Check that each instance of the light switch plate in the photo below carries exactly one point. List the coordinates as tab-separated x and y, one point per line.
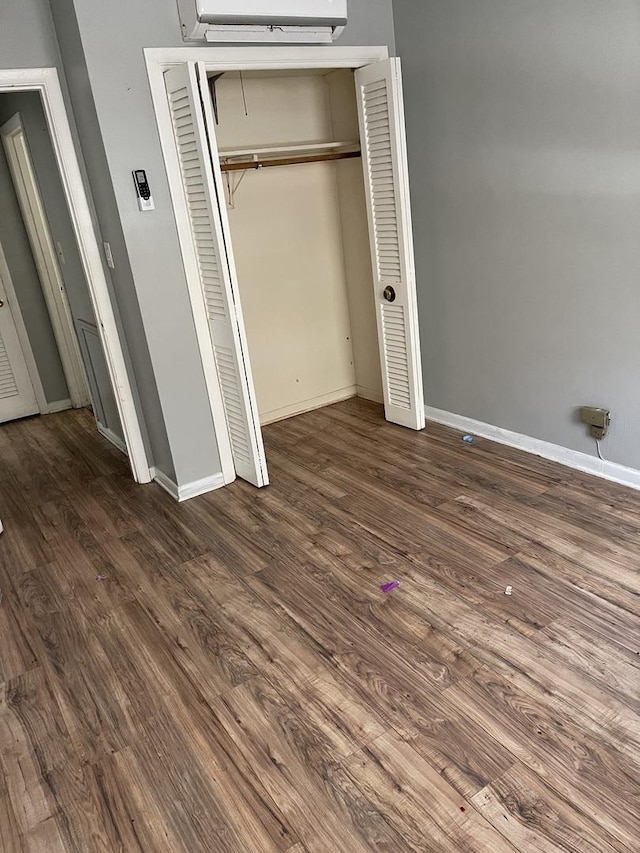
109	255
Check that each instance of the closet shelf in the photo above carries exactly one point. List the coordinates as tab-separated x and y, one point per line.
286	155
294	148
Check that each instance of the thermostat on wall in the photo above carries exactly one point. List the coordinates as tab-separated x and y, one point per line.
145	199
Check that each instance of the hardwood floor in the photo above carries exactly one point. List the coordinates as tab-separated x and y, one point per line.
225	674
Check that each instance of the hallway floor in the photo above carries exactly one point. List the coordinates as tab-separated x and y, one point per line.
226	675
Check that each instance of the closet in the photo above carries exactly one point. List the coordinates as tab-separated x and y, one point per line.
294	219
300	239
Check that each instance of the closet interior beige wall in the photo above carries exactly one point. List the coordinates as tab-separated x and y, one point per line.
300	241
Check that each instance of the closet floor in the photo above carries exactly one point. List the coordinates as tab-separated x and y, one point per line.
226	675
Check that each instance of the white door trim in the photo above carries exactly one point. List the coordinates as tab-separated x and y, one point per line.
14	307
45	81
25	184
160	60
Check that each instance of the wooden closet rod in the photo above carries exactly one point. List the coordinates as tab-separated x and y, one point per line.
247	165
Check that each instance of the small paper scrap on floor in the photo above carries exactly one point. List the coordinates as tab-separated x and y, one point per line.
101	578
389	587
468	439
508	590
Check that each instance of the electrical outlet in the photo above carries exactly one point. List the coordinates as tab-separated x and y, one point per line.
597	419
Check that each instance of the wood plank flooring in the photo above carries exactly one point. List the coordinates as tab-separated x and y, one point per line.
225	674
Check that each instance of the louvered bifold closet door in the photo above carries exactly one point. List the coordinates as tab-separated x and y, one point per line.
194	132
384	157
17	397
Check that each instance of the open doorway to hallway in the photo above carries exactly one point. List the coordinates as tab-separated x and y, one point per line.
51	357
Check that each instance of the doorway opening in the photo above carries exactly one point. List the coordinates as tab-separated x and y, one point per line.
46	299
63	337
284	246
298	226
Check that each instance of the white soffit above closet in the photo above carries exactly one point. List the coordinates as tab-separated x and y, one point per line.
274	21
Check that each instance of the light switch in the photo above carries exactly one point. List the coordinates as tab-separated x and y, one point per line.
109	255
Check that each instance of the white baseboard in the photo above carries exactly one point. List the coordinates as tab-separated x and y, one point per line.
307	405
369	394
58	406
113	438
166	483
555	452
189	490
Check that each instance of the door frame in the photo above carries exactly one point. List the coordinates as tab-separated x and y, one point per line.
46	82
159	60
36	223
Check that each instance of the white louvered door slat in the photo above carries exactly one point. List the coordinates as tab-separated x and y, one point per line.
384	158
194	134
17	397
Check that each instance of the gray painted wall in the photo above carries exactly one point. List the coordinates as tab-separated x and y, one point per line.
27	37
523	126
148	263
370	23
119	280
29	105
112	39
26	283
28	40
